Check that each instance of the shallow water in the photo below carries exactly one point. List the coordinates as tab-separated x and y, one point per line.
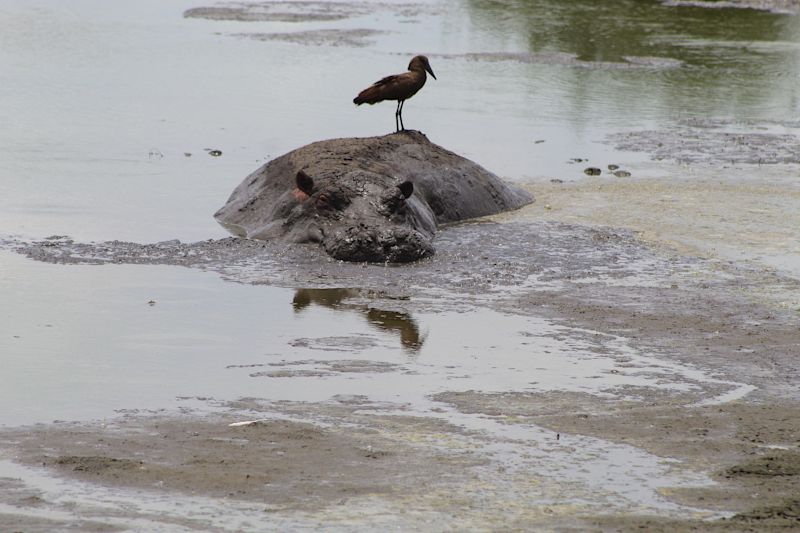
102	100
86	342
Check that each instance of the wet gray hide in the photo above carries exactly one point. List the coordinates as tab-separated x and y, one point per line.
375	199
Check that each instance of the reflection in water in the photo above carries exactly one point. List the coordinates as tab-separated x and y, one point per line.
391	321
395	321
324	297
739	62
609	30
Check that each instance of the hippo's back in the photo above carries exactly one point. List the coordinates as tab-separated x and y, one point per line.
454	188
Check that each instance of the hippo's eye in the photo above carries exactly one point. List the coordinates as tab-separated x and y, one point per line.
322	200
330	200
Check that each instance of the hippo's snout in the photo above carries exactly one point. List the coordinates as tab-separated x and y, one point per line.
359	244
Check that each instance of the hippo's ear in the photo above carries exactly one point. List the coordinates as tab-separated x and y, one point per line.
305	182
406	188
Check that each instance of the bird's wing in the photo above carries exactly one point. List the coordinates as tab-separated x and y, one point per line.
395	87
386	80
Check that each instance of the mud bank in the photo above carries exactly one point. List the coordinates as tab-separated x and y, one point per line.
751	449
709	214
716	142
255	461
358	464
350	468
717	189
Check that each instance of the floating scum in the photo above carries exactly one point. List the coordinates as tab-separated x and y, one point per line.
398	87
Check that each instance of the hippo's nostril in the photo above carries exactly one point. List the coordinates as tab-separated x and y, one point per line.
404	245
399	245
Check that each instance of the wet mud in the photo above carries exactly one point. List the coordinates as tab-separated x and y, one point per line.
310	12
254	461
751	449
283	466
477	261
713	142
279	11
303	11
333	37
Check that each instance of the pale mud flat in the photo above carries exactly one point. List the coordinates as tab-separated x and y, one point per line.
708	192
704	215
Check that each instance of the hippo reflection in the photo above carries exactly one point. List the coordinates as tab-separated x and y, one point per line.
391	321
376	199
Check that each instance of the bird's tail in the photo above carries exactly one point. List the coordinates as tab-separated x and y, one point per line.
367	96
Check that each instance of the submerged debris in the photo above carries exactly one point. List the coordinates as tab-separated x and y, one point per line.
786	7
324	37
716	142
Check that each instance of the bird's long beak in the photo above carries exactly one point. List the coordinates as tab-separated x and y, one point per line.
430	71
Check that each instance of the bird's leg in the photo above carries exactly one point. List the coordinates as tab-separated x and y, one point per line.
396	117
400	114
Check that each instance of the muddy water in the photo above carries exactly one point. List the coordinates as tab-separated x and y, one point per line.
111	111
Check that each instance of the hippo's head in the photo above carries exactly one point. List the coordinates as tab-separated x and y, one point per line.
358	216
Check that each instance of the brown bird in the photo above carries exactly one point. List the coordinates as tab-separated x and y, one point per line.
398	87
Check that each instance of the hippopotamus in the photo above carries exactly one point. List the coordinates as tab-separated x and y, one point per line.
374	199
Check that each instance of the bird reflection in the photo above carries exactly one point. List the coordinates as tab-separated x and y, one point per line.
400	322
391	321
